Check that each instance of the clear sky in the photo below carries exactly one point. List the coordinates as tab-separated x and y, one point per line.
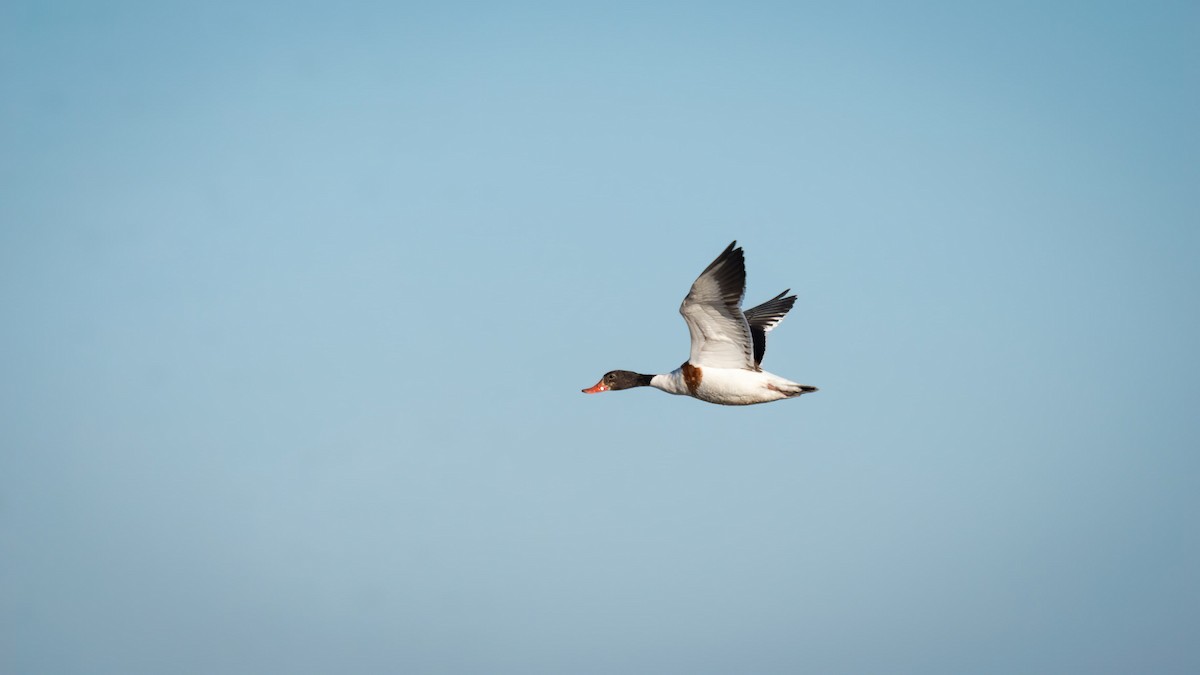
296	301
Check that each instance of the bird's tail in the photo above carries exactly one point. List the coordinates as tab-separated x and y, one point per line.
792	389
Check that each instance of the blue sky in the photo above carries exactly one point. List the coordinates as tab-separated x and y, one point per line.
298	301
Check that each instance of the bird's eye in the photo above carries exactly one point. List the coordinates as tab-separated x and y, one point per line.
610	377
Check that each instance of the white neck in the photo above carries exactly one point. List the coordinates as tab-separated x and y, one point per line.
671	382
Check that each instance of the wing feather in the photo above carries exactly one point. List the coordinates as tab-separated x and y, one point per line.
762	318
713	312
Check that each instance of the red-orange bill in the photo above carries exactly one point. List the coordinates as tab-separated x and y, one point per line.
600	386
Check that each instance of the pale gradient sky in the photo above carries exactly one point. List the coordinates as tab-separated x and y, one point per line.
297	302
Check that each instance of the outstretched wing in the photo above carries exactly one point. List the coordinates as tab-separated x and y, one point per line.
713	312
764	317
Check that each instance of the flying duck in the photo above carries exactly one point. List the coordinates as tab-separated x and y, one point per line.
727	343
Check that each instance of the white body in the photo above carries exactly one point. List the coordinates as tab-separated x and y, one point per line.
730	386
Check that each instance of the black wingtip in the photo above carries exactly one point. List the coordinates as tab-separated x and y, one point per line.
729	254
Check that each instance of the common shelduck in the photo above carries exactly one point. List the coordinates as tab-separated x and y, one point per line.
727	343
